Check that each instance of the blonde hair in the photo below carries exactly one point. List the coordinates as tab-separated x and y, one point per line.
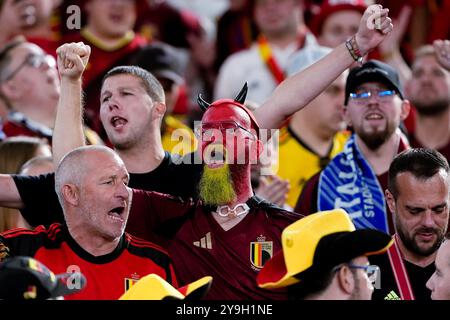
14	152
424	51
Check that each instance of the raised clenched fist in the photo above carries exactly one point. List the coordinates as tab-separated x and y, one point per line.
72	59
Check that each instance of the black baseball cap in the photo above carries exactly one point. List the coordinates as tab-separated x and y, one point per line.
162	60
341	247
25	278
373	71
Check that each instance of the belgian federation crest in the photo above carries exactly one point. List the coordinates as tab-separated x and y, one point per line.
260	251
129	282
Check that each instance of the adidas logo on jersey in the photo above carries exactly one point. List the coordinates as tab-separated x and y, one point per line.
204	242
392	296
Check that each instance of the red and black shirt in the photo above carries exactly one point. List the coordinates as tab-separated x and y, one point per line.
108	276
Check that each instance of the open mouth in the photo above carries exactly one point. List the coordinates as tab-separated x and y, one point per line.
214	156
116	17
374	116
116	214
118	122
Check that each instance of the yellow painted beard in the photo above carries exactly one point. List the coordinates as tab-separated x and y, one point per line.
216	187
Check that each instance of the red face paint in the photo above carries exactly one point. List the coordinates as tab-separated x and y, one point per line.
227	126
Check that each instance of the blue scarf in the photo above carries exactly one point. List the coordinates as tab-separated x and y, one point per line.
348	182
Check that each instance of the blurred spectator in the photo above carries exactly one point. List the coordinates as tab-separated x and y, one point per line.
336	21
263	65
439	11
14	152
38	165
30	86
42	23
10	21
306	146
188	32
37	20
159	20
429	21
265	183
109	33
236	30
164	63
429	92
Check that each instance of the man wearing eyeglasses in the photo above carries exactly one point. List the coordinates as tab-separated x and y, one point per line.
30	88
355	179
228	235
333	266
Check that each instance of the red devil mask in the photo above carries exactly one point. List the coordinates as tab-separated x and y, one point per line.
227	123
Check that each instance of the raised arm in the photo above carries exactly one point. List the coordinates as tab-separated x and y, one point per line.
9	195
297	91
68	133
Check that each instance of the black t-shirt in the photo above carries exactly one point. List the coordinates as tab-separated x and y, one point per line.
418	278
175	176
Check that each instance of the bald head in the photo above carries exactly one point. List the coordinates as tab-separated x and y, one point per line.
79	163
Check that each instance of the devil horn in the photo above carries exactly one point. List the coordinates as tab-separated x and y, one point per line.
242	94
202	103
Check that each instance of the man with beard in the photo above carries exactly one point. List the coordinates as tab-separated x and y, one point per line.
429	92
233	243
418	196
355	179
92	185
230	233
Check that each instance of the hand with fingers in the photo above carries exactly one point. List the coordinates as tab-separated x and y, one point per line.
375	25
273	189
72	60
442	49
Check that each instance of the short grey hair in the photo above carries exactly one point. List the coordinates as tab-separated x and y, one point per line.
70	168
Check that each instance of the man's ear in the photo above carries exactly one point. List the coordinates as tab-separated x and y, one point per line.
71	194
406	107
346	279
158	111
390	200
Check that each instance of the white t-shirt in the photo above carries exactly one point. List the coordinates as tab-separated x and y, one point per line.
247	65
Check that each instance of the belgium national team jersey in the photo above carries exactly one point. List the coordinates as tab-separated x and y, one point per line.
108	276
298	163
200	247
418	277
